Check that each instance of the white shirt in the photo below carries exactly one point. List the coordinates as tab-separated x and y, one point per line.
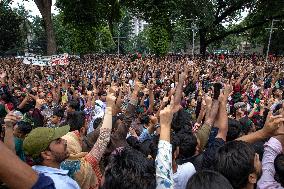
59	176
131	83
184	172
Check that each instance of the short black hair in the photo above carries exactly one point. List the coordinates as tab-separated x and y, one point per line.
74	104
246	125
24	127
75	120
234	129
208	179
181	120
279	169
97	122
188	143
145	119
129	168
58	112
235	160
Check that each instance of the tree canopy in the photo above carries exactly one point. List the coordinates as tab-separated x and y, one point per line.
10	29
88	26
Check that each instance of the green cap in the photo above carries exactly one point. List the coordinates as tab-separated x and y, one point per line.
39	139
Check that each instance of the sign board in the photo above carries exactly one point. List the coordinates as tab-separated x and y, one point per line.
47	60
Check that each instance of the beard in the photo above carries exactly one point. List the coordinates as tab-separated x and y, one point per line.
60	157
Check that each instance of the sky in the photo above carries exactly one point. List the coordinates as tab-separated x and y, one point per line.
30	5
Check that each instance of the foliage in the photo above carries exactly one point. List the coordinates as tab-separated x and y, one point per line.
182	35
39	41
90	13
141	42
159	41
25	26
11	38
91	40
211	15
70	39
123	29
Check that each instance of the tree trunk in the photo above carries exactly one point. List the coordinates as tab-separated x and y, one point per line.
44	7
203	44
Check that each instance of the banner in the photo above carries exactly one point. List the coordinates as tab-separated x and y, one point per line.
46	60
60	59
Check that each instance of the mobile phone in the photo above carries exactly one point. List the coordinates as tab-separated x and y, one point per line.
217	90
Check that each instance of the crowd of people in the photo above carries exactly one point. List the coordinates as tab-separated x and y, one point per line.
109	122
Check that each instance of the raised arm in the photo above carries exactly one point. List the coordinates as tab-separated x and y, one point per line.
222	121
271	128
10	121
12	167
271	149
164	172
151	96
122	131
99	148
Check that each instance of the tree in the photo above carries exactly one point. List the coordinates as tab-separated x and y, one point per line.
123	29
158	13
211	15
141	41
26	25
260	35
81	40
159	40
10	31
86	13
181	37
44	7
39	39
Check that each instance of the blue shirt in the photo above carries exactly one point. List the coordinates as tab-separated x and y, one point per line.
44	182
59	176
145	135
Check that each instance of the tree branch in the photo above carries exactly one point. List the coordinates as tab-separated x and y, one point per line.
230	10
242	29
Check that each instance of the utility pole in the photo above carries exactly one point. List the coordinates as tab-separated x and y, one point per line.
172	23
193	28
270	35
118	39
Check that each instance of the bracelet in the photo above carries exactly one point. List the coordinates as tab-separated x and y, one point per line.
157	126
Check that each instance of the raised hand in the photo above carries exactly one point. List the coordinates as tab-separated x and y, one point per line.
110	100
165	99
273	125
137	86
39	103
228	89
166	115
11	119
153	120
3	75
208	100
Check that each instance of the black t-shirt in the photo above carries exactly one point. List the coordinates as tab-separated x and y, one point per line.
210	153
